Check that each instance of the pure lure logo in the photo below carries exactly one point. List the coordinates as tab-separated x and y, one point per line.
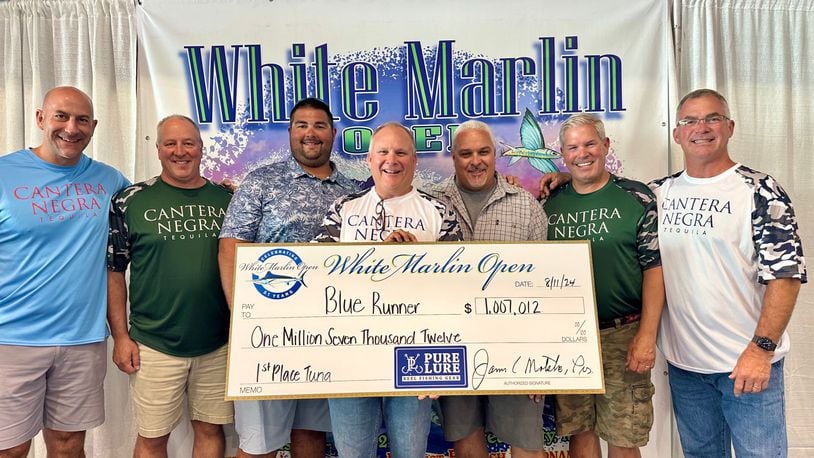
430	367
282	276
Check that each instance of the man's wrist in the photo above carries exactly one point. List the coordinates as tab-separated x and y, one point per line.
764	343
120	335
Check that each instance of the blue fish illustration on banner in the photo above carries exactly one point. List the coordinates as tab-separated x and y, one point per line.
533	146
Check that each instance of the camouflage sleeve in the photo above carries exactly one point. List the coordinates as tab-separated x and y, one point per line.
647	229
118	243
647	236
245	211
450	228
332	223
775	234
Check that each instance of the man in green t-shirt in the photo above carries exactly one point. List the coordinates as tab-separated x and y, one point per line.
619	216
166	229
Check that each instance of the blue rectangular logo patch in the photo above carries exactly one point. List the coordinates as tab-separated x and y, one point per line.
430	367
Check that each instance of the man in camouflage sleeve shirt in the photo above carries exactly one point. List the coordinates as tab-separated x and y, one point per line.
165	231
619	216
733	265
392	211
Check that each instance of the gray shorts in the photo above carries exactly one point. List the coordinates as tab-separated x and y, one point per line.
265	426
514	419
59	388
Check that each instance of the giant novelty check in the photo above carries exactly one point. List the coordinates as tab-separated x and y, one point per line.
388	319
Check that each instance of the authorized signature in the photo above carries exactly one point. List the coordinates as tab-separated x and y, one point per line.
527	365
481	368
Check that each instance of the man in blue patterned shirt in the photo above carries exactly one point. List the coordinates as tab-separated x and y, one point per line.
285	202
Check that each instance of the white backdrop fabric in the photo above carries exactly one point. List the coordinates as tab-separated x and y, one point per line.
90	44
759	53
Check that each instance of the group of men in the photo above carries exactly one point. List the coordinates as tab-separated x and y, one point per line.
718	240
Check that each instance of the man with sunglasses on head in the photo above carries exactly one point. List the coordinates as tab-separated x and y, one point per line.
733	264
391	211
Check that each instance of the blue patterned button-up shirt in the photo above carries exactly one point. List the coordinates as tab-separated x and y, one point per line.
281	202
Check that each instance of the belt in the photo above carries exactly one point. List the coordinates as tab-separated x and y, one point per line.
619	322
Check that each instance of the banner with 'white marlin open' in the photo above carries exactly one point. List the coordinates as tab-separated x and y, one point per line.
237	67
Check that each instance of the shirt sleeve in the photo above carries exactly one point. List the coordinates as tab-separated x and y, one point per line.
118	239
245	212
331	229
775	234
647	233
450	227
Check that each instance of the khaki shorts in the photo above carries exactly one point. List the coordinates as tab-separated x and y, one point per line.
163	381
623	415
59	388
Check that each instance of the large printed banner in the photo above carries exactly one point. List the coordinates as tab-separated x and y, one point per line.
237	68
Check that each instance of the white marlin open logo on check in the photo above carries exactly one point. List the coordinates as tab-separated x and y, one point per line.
278	273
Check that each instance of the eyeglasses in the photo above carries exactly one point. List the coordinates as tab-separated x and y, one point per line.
711	120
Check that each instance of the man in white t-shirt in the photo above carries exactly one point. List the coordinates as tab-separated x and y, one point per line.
733	264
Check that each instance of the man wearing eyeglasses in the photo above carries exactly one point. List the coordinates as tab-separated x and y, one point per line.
391	211
733	264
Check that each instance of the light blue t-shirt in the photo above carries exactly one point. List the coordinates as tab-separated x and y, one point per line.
53	237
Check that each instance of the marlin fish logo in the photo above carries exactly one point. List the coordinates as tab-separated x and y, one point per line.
533	148
272	279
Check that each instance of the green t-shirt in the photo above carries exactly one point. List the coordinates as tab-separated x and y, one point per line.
169	237
621	221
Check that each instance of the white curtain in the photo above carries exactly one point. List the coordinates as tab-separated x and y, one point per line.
89	44
760	55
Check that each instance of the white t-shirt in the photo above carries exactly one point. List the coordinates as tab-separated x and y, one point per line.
365	217
722	239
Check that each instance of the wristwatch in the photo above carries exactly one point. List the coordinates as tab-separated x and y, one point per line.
764	342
